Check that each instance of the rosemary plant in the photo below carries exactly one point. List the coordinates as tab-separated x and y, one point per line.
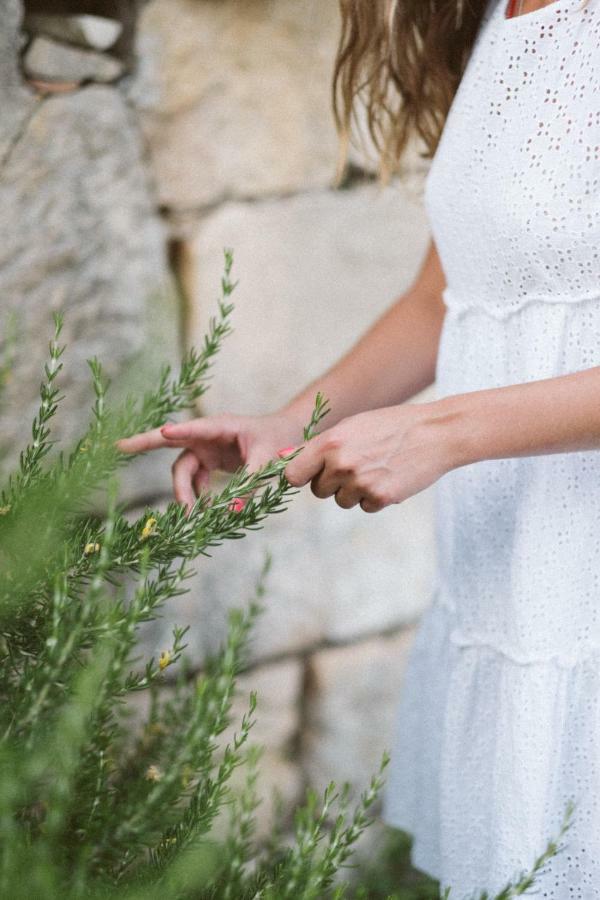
88	807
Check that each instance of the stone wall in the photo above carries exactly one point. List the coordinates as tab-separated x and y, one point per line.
220	134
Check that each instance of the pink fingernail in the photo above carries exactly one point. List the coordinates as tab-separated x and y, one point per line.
285	452
237	504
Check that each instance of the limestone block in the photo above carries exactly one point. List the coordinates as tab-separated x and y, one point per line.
350	705
52	60
97	32
315	271
81	236
97	28
244	106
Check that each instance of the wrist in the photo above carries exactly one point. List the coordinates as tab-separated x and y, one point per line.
294	418
453	423
298	413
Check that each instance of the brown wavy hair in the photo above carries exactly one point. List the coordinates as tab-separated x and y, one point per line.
399	62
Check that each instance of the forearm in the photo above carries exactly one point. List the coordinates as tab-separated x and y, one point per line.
553	415
392	361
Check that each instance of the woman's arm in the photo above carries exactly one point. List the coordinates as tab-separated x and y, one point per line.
385	456
392	361
553	415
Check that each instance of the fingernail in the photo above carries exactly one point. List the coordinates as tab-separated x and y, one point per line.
237	504
285	452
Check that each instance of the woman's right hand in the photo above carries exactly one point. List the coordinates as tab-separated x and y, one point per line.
223	442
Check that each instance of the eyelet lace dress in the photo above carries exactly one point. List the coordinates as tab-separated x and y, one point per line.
498	723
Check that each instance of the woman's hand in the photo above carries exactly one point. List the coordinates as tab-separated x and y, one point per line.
217	442
376	458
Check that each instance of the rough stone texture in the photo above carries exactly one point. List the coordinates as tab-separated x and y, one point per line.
47	58
244	105
124	12
97	32
17	103
351	702
314	270
81	236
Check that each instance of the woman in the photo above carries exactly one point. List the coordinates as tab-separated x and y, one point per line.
499	719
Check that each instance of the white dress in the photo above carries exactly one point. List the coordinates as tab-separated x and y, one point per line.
498	724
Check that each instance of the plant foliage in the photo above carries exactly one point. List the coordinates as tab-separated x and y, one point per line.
88	808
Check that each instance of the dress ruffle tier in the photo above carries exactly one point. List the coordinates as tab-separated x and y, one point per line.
489	750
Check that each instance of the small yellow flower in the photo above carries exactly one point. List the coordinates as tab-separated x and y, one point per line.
91	548
164	660
149	528
4	510
152	731
157	728
153	773
84	447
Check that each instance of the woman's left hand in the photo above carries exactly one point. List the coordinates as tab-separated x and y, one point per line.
376	458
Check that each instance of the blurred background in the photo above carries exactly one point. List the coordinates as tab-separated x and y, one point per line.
137	140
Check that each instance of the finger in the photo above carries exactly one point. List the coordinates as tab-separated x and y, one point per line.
326	483
201	479
347	498
306	465
257	459
253	464
145	440
185	467
370	506
203	429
